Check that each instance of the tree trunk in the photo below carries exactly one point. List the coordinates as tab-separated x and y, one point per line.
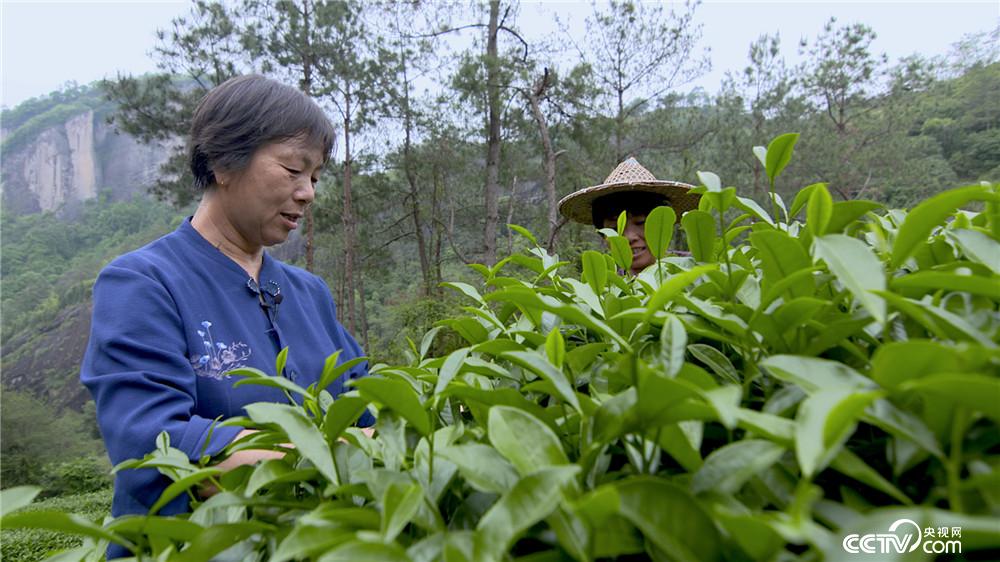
493	137
363	315
438	235
534	98
306	86
620	119
418	225
348	220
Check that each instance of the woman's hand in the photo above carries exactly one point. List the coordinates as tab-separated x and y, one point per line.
240	458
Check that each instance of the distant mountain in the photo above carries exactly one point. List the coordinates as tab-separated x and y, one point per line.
59	150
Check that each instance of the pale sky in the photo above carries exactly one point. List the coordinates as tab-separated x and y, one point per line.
46	44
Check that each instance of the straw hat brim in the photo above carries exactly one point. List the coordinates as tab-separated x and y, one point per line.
577	206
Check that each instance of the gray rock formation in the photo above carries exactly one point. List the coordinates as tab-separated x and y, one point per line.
72	161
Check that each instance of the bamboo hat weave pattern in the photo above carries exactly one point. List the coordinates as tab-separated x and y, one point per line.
628	176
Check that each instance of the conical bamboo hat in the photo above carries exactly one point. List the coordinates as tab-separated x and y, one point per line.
628	176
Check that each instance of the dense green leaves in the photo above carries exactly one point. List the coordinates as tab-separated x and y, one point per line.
930	214
301	431
790	383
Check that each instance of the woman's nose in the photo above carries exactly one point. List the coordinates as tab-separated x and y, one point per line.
305	192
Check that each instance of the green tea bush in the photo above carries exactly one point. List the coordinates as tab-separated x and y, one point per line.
76	476
33	544
795	390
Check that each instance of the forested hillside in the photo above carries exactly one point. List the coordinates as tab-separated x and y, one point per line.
452	125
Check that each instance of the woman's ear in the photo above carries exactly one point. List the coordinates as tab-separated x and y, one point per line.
222	178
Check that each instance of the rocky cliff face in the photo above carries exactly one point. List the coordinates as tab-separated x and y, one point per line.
72	161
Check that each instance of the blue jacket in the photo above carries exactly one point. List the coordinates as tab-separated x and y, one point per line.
169	320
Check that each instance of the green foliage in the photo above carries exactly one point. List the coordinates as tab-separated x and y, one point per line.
48	263
36	441
813	380
76	476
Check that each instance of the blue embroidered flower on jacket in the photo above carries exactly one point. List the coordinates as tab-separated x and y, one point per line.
218	357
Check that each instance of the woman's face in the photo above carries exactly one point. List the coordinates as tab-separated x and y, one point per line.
265	201
635	233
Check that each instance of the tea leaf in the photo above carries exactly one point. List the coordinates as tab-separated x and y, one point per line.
536	363
279	362
396	395
728	468
669	518
938	280
555	348
62	522
716	361
902	424
399	505
755	536
819	210
260	378
782	260
937	320
673	342
265	473
932	213
162	527
301	431
779	154
659	230
178	487
978	247
451	368
673	287
306	541
802	197
620	251
595	270
898	362
753	208
813	374
524	232
342	414
845	213
17	497
532	499
824	422
977	392
482	466
850	464
700	231
465	289
710	180
469	328
857	268
527	442
354	550
332	371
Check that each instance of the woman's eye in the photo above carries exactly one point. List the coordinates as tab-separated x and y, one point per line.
292	171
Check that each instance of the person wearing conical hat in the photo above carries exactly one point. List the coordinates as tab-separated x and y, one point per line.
633	189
